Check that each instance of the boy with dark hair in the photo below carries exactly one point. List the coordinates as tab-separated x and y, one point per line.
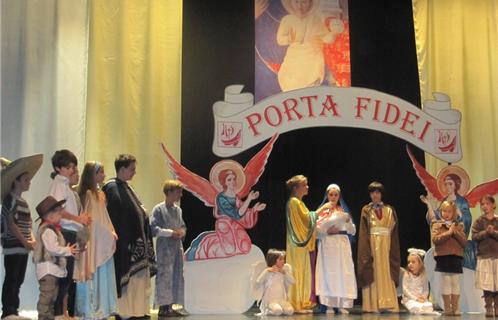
64	163
378	253
123	161
134	258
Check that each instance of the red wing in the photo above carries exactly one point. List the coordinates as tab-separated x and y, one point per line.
199	186
475	195
428	181
255	167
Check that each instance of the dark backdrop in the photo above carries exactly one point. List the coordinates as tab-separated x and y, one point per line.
218	50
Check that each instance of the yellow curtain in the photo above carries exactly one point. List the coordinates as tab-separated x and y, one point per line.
134	86
457	51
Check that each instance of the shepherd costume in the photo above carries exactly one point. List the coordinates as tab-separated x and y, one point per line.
378	258
134	258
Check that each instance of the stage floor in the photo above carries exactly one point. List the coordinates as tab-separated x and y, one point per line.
355	314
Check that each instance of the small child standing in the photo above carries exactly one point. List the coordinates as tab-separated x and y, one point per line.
275	281
168	226
49	255
449	242
485	233
415	284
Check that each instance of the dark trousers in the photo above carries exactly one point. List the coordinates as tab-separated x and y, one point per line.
66	285
15	269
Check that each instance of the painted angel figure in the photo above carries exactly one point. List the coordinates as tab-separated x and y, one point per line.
453	183
229	184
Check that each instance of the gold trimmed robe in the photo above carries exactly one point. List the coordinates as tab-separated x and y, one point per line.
378	259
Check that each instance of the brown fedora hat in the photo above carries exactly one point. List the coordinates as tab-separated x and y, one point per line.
13	169
48	204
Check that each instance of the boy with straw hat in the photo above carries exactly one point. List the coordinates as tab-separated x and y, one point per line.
17	235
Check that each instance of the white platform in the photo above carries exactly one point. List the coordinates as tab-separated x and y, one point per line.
220	286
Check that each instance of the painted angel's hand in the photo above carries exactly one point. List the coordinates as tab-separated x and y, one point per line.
424	200
253	195
259	206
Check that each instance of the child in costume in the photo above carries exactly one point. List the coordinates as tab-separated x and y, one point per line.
415	284
96	295
378	253
17	233
65	174
275	280
485	233
335	276
168	227
50	256
301	239
134	258
449	242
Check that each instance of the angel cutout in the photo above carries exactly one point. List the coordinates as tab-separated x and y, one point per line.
229	184
453	183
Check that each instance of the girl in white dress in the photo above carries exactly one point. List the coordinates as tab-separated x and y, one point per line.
275	281
415	284
335	276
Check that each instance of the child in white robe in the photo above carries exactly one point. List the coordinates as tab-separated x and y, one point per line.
275	281
415	284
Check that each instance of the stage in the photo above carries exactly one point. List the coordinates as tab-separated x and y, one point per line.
354	315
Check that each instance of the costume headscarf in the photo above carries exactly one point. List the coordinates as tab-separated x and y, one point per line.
342	203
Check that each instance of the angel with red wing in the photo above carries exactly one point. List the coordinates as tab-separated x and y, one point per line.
453	183
229	184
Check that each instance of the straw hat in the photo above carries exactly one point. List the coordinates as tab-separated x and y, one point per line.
13	169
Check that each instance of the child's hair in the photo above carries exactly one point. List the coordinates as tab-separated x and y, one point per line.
376	186
272	256
88	179
295	181
62	158
123	161
171	185
419	253
449	204
489	198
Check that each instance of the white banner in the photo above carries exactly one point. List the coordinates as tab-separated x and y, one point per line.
239	124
